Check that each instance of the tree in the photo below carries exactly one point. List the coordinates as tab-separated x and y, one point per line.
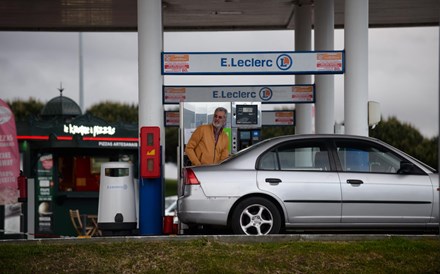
273	131
115	112
24	109
408	139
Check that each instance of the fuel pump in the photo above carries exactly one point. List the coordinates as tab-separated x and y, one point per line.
246	125
247	137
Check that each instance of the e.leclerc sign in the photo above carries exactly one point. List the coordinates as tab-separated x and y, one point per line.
209	63
265	94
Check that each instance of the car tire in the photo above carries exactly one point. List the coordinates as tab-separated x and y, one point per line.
256	216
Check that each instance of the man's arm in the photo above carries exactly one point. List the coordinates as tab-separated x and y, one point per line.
191	145
225	149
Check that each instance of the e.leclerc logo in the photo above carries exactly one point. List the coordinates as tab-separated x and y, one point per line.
284	62
246	63
265	94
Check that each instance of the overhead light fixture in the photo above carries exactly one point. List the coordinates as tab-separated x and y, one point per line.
226	12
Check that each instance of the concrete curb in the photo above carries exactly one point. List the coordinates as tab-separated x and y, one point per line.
227	238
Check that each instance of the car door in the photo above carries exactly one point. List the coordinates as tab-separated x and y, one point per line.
300	175
374	192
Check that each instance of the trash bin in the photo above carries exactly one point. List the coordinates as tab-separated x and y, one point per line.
117	205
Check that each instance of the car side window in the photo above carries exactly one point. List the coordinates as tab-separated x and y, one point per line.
293	156
269	161
363	157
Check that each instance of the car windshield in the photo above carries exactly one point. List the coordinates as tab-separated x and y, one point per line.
430	168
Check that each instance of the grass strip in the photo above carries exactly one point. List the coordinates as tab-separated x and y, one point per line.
393	255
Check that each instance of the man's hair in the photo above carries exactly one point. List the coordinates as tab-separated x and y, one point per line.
221	109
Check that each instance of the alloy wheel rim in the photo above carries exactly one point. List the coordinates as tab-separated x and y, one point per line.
256	219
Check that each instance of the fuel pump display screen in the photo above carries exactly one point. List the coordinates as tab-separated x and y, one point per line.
247	114
150	141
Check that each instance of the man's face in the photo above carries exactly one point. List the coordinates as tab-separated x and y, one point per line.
219	119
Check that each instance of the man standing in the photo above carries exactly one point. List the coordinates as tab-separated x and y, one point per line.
209	144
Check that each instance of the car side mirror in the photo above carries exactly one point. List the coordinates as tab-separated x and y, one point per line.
405	167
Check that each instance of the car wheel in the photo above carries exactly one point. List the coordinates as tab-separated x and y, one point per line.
256	216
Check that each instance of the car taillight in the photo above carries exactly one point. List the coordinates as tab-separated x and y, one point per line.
190	177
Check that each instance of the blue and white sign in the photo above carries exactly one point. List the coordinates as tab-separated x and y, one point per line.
263	94
209	63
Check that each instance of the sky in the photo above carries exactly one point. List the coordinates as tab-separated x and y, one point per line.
403	67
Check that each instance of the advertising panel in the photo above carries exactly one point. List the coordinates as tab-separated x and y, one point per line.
9	156
278	118
44	195
172	118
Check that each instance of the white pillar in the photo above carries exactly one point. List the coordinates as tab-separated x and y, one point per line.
325	84
438	141
303	41
150	45
356	67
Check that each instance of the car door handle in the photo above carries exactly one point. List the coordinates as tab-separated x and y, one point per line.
273	180
354	182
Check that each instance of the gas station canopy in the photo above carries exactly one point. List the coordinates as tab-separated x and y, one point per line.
186	15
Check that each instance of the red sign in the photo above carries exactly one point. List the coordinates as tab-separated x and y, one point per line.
9	156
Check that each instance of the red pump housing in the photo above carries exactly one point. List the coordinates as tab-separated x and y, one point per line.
150	158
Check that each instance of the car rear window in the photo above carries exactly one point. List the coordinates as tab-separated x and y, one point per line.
301	156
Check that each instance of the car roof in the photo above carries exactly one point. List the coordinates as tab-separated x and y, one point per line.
318	136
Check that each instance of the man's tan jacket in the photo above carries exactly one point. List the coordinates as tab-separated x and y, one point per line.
201	148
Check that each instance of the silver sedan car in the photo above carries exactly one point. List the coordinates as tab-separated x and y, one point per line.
308	182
